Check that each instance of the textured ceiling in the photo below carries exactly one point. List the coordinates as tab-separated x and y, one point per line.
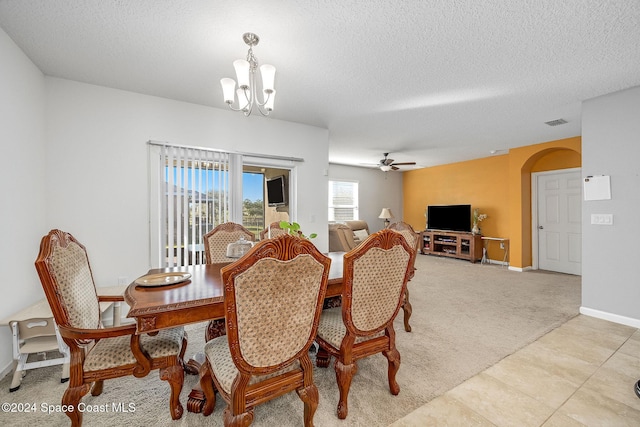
434	81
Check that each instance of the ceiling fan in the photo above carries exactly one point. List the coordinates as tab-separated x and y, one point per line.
387	164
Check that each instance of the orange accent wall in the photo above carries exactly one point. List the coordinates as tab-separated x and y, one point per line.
482	183
499	186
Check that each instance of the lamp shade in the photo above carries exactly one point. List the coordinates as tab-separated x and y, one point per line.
385	168
386	213
242	72
268	77
228	86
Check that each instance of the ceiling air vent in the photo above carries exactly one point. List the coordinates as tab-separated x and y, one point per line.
557	122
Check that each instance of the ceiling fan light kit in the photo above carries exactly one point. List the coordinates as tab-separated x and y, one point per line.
387	164
246	93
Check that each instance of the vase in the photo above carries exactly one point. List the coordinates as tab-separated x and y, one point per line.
475	229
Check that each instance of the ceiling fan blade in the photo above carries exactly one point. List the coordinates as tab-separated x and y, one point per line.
405	163
394	168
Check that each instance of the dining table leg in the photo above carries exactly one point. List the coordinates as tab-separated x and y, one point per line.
322	358
196	400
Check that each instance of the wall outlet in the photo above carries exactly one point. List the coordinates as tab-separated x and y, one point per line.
123	280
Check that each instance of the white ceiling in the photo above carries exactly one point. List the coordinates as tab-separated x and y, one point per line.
434	82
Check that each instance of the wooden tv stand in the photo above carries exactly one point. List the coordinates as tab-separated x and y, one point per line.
454	244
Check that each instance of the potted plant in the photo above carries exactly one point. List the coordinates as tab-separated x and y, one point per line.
293	228
477	218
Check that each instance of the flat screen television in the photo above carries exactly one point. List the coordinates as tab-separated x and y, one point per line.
449	217
277	191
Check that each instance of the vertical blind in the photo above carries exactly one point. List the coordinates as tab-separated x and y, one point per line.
194	198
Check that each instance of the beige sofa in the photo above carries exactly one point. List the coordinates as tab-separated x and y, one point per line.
344	237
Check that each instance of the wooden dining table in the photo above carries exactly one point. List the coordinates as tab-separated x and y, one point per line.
198	299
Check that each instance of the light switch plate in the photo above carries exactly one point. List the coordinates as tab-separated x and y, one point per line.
602	219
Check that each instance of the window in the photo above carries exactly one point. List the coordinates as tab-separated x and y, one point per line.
192	190
190	196
343	201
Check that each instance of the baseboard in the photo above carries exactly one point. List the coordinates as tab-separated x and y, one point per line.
520	269
615	318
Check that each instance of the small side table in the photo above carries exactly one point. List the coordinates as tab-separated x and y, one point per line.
505	247
39	316
40	312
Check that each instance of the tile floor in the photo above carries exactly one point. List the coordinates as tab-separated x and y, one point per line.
580	374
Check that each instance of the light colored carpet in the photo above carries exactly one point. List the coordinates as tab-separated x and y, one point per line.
466	317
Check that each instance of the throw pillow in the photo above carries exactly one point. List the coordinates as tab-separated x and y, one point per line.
361	235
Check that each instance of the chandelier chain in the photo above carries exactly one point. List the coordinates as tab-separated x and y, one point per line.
252	60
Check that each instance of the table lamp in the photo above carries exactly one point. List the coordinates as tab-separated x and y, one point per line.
386	214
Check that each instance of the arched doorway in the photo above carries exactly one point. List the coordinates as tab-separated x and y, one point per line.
554	155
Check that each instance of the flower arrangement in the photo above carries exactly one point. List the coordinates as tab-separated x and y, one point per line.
477	218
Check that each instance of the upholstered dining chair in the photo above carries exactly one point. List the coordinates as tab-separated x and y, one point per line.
99	353
273	299
215	243
375	276
273	230
413	238
217	240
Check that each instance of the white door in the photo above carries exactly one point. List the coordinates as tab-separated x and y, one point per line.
559	217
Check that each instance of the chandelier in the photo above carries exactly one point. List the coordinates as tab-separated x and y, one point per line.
246	93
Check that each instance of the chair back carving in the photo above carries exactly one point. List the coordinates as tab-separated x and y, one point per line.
217	240
375	278
63	267
273	300
273	230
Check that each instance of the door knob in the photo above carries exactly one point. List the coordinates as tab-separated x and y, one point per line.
540	227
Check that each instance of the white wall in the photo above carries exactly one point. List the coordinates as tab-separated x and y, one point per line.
376	190
97	165
611	146
22	176
80	151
